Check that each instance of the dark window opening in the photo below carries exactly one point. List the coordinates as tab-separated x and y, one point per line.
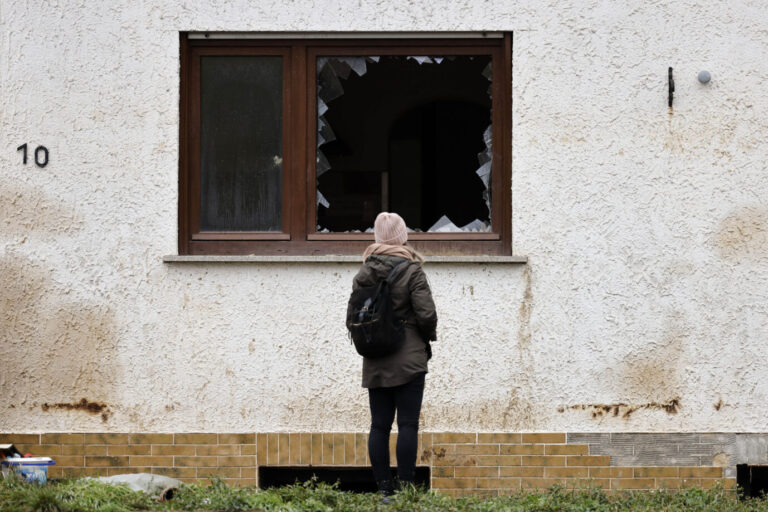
351	479
753	480
404	134
432	162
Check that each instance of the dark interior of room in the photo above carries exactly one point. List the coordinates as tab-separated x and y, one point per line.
407	138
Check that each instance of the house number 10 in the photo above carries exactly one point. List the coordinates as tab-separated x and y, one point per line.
41	155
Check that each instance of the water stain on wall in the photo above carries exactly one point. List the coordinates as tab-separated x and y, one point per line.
522	363
647	377
743	234
625	410
673	142
25	210
525	310
652	374
83	405
63	349
513	411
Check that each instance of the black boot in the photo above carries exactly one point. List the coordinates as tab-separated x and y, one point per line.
386	489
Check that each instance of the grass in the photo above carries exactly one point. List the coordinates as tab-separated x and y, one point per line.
91	496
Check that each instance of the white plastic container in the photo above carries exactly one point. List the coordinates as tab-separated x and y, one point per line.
31	469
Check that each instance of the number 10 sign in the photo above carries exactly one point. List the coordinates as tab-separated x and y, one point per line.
41	155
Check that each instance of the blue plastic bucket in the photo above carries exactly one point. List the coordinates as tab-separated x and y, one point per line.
31	469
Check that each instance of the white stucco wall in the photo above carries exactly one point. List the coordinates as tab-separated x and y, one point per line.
647	233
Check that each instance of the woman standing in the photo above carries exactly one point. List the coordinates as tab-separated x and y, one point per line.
396	382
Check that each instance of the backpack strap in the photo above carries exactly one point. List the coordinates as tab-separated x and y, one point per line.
392	273
428	347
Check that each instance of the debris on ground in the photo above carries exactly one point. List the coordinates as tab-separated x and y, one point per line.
160	486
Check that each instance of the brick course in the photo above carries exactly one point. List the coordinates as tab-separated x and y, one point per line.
461	463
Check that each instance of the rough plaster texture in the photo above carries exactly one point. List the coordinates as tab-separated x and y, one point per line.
646	231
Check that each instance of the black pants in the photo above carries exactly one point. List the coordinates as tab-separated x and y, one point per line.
406	400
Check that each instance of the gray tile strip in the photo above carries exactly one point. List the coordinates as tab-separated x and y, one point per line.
677	449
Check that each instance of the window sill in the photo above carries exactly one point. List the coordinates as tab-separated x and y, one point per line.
172	258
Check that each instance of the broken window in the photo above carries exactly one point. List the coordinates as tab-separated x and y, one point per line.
294	146
410	134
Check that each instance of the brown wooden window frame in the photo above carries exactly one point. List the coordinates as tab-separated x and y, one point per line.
299	235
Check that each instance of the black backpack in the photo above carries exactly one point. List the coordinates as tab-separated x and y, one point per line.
372	325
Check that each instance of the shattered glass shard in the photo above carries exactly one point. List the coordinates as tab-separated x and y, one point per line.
421	59
446	225
443	225
487	199
324	132
485	173
329	84
477	225
483	157
323	164
488	71
488	138
357	64
340	66
322	200
320	137
322	108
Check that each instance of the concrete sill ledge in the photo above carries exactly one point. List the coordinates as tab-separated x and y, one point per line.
172	258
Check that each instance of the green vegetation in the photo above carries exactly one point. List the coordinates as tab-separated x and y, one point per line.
90	496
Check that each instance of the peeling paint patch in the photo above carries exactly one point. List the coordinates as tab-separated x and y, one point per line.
624	410
83	405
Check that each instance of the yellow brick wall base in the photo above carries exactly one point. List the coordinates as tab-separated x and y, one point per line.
460	463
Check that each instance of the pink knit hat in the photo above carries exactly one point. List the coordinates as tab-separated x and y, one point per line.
389	229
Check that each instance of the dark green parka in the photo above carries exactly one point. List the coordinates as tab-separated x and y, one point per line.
412	301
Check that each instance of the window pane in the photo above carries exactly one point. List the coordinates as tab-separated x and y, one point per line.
409	134
241	143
